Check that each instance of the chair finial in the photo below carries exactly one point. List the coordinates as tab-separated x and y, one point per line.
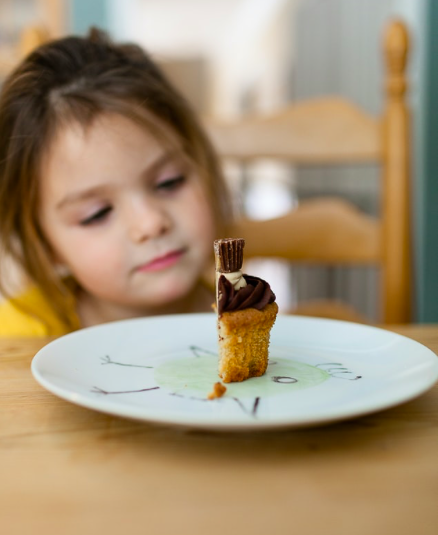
396	46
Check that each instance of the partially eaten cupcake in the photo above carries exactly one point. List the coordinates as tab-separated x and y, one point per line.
246	311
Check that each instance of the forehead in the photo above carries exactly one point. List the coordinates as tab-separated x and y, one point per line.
109	146
72	140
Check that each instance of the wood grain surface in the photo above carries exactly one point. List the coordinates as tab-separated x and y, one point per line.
69	470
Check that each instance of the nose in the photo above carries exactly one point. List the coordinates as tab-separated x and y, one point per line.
147	220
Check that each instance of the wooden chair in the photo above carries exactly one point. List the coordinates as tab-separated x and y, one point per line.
32	37
330	231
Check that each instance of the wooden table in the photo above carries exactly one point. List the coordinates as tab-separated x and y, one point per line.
68	470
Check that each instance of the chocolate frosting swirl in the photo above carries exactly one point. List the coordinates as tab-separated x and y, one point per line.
256	294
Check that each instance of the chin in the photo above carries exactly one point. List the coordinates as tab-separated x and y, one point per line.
174	292
169	297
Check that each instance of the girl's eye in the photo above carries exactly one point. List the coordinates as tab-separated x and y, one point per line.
170	184
98	216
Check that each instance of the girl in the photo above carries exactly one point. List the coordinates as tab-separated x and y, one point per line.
110	193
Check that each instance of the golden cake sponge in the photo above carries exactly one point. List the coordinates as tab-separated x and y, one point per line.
244	342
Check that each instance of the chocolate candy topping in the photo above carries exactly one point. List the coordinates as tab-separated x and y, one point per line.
256	294
229	254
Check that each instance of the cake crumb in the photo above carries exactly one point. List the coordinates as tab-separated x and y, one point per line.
218	391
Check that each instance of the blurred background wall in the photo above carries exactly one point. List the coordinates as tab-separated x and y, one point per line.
236	56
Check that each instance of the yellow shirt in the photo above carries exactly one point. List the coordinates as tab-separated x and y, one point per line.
15	322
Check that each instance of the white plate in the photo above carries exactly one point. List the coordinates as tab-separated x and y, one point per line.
161	369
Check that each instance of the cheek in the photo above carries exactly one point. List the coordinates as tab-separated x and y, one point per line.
199	221
91	260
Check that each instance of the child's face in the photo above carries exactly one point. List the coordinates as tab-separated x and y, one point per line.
129	218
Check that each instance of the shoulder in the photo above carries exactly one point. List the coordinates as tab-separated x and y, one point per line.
17	322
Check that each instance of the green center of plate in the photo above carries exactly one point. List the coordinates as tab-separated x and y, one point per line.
195	376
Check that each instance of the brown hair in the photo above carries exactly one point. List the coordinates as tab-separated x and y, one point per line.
77	79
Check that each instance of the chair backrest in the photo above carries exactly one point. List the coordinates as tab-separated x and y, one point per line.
335	131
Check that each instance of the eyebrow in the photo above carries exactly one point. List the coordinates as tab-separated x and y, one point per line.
80	196
89	193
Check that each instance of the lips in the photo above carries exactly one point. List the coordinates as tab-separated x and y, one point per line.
162	262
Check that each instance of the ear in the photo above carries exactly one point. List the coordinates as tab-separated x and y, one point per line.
62	270
56	260
60	267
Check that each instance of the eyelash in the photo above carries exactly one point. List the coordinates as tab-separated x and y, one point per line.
171	184
97	217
